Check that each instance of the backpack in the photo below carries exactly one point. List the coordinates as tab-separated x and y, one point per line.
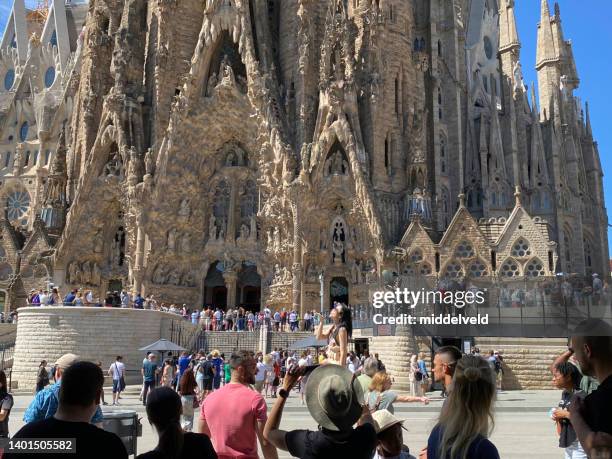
206	369
498	365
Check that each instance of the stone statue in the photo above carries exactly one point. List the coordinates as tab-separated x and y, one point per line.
171	245
149	162
338	242
244	232
96	275
114	167
253	228
159	275
226	69
186	243
212	228
74	273
188	279
517	71
86	273
222	231
355	272
184	210
276	239
174	278
212	84
98	242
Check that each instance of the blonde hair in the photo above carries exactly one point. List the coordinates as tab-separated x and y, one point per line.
468	412
379	381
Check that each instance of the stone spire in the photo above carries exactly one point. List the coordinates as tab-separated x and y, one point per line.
546	50
509	43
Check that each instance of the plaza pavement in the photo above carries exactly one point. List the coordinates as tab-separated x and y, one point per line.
522	427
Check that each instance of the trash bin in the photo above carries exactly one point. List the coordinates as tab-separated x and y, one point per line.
126	425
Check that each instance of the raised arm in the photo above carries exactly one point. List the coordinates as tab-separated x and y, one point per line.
411	399
561	359
319	330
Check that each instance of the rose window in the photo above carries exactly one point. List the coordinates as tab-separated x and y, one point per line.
510	269
465	250
17	204
521	248
534	268
478	269
453	270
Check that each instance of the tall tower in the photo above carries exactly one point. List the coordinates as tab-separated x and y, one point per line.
554	59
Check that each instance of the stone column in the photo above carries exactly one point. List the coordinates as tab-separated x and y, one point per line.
230	278
231	216
297	254
138	268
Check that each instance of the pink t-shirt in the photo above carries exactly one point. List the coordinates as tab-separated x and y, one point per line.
231	414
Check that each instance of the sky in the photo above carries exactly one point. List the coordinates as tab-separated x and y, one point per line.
587	24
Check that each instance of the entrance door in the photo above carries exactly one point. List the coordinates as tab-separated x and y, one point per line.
115	285
338	291
215	292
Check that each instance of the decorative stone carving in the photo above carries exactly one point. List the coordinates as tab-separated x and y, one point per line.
149	162
184	209
85	273
186	243
171	243
336	164
114	166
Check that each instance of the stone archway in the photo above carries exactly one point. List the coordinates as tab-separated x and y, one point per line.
248	288
338	290
215	291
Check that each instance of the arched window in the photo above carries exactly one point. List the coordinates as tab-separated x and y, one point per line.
588	257
49	77
7	159
521	248
535	268
567	241
477	269
5	271
510	268
26	161
35	159
53	39
9	79
453	270
23	131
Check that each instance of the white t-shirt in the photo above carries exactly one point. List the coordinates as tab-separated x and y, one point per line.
293	317
267	313
261	371
117	369
303	362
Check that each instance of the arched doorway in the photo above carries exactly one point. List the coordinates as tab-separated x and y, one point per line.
338	290
215	291
249	287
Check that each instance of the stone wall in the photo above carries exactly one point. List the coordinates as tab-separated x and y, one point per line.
92	333
526	360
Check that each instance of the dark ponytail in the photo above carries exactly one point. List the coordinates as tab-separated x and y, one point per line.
164	412
346	320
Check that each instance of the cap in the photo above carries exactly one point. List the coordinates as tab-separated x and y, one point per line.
66	360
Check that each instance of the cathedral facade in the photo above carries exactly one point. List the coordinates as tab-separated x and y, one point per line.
292	153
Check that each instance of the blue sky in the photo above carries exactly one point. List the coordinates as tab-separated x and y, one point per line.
589	29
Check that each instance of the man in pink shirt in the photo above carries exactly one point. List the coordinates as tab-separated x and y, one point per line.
235	415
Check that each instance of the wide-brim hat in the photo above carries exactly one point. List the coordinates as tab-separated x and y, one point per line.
334	397
383	419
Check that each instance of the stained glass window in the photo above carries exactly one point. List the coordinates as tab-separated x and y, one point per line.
49	77
17	204
9	79
23	131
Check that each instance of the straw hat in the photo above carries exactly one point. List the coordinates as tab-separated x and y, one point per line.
334	397
383	419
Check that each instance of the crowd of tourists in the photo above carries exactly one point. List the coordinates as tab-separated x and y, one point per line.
350	398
